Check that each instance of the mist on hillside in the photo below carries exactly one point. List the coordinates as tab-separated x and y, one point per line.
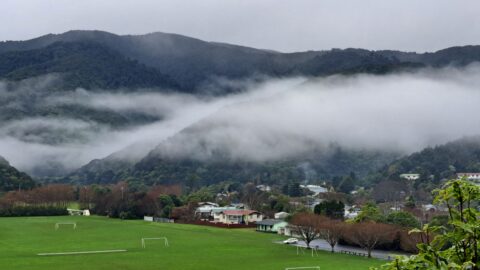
273	120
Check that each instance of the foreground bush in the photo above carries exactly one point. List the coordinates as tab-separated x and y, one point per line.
456	247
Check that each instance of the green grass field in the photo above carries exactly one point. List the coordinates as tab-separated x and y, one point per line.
191	247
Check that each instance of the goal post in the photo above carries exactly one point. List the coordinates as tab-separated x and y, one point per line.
302	250
145	239
58	224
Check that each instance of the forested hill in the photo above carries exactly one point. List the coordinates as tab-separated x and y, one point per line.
318	165
437	163
11	178
194	64
87	65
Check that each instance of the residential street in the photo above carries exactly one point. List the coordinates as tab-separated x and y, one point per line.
323	245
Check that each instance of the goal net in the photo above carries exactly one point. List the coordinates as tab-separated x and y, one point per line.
144	240
58	224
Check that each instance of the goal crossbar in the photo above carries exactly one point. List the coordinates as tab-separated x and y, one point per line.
73	224
154	238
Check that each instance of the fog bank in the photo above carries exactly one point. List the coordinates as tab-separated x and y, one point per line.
273	120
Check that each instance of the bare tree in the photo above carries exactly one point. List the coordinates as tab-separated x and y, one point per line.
331	230
390	191
369	235
306	225
253	197
184	213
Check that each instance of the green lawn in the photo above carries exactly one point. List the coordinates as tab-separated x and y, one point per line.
191	247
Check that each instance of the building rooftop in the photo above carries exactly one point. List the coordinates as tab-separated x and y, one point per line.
269	222
239	212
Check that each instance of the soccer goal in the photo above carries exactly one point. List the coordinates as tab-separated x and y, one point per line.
303	267
144	240
301	249
58	224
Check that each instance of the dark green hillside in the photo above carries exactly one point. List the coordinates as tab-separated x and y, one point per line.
12	179
352	61
439	162
86	65
156	169
194	63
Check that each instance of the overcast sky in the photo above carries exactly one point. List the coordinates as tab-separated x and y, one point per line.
294	25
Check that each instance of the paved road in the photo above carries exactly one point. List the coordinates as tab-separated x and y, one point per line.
323	245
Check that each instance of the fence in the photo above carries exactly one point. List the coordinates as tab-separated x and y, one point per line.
221	225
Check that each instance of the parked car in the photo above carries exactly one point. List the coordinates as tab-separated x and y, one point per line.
291	241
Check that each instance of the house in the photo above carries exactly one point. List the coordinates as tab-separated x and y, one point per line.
238	205
315	189
474	177
271	225
281	215
239	216
429	207
410	176
351	212
207	204
204	210
76	212
216	214
264	188
232	214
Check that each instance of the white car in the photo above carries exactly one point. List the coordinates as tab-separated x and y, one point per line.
291	241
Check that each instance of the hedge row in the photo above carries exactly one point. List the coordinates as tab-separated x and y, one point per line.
30	211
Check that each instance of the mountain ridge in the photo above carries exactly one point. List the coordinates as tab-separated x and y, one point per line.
192	62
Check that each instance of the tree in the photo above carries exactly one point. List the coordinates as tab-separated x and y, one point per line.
389	191
184	213
294	190
332	209
457	247
402	219
370	234
253	197
331	230
166	204
307	226
347	184
370	212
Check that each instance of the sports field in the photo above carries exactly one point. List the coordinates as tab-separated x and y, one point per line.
190	247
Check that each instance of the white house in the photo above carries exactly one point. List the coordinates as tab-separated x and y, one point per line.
239	216
264	188
76	212
410	176
281	215
351	212
204	210
315	189
474	177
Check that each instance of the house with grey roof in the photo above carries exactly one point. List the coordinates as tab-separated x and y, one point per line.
271	225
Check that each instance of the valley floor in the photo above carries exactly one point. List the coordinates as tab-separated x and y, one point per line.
191	247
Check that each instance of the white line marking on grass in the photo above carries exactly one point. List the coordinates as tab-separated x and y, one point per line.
304	267
82	252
